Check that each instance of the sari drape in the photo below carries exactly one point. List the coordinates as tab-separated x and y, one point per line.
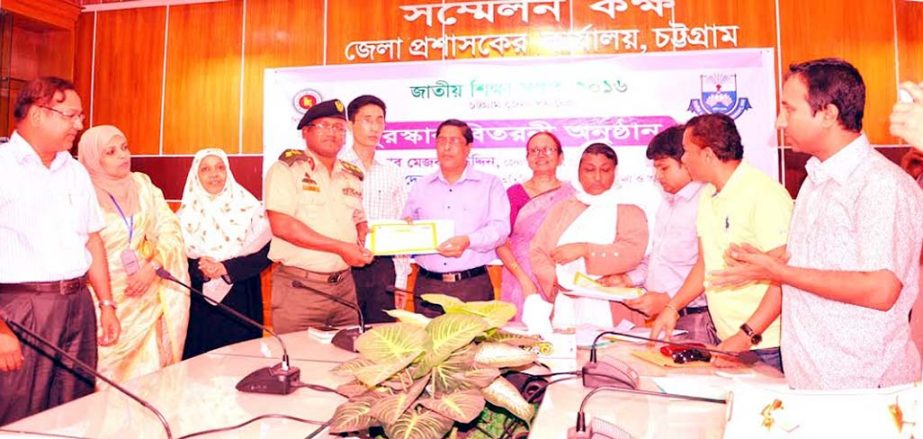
154	323
524	226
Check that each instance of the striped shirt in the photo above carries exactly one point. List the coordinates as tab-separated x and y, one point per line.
46	215
383	196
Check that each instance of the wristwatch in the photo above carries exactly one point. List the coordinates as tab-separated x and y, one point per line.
107	303
755	338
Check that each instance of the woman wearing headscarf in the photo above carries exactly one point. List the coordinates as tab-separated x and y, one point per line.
591	233
227	243
530	203
141	235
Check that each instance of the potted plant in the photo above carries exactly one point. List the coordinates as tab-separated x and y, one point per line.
427	378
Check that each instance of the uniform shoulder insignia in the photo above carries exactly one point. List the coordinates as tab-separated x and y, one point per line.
292	156
352	169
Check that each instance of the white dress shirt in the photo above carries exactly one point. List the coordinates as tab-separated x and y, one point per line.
46	215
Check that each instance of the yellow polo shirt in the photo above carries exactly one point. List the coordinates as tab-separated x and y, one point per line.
752	208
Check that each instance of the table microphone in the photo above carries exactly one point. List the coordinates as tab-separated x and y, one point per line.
280	379
608	430
77	364
595	372
346	338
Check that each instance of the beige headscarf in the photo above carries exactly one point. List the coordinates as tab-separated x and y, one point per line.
123	189
224	225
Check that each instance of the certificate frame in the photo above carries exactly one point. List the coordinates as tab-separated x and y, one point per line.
425	229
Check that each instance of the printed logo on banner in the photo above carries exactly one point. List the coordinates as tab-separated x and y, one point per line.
719	95
306	99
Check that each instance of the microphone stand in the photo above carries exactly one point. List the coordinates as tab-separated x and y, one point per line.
345	338
596	374
77	364
745	357
580	430
280	379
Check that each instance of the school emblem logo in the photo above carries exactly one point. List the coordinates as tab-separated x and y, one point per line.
719	95
306	99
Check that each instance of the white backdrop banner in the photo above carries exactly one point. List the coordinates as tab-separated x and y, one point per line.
622	100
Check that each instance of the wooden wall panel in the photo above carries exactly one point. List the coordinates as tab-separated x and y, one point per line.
129	74
202	102
756	18
862	33
292	37
910	40
83	58
58	13
41	52
350	21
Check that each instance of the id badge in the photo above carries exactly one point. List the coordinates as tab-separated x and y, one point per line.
130	261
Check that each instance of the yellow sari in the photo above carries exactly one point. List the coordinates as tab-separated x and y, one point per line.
154	323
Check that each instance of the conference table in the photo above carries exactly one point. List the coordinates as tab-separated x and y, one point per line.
199	394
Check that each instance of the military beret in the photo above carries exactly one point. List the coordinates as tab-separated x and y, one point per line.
331	108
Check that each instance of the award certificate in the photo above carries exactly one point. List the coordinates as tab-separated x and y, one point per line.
389	238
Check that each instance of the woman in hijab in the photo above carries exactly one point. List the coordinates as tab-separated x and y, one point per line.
227	243
141	235
593	234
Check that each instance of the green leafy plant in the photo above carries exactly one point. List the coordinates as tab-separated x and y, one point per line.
420	377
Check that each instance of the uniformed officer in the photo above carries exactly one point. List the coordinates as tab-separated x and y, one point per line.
314	204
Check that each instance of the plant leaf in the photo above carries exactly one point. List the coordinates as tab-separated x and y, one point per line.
352	388
502	355
497	313
449	332
412	318
352	416
349	368
504	394
384	344
462	406
447	374
419	425
389	409
441	300
501	336
479	378
373	375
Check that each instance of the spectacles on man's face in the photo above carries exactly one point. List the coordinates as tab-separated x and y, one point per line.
450	141
545	150
70	115
335	127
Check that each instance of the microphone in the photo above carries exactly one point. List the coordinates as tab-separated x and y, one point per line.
346	338
280	379
602	429
77	364
597	374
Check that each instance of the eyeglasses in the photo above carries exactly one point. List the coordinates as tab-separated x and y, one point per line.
335	127
69	116
545	150
453	141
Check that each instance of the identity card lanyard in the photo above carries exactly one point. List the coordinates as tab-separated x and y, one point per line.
130	261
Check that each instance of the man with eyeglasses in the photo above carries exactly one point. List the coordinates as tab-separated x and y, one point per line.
478	205
49	249
314	205
383	195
